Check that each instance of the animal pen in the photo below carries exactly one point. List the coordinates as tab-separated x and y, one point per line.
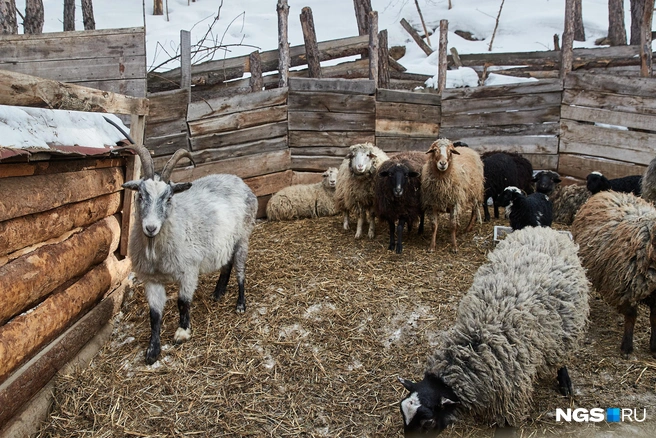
330	321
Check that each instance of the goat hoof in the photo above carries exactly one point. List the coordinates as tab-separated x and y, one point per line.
241	308
182	335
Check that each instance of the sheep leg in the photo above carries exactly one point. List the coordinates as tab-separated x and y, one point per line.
222	283
358	230
186	294
392	242
346	220
399	236
630	315
241	254
453	219
496	209
564	382
371	217
434	237
486	211
156	295
475	210
420	230
652	321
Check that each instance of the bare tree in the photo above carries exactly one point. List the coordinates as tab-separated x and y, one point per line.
87	15
158	7
69	15
33	22
616	28
637	11
579	30
8	23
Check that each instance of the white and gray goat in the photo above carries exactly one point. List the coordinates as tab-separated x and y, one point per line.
183	230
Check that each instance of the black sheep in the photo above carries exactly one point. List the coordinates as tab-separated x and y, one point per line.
545	181
526	210
503	169
398	194
596	182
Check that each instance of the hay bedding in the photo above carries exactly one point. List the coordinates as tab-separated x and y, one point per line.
330	323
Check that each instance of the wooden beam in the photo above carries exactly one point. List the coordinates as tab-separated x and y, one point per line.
373	46
52	167
310	38
283	43
566	53
346	86
271	183
415	36
19	89
222	106
256	82
362	9
442	56
185	61
645	41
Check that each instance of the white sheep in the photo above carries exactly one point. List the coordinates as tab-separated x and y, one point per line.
182	230
523	317
452	180
355	185
305	200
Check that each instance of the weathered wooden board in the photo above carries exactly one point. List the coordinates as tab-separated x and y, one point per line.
55	313
616	118
399	144
34	194
127	87
270	183
397	128
544	115
345	86
460	132
329	151
50	167
543	86
411	112
501	104
99	68
543	162
325	121
580	166
28	230
166	145
314	163
244	167
521	144
228	105
610	102
262	202
419	98
246	135
28	279
167	106
162	129
332	102
632	86
306	177
236	121
332	138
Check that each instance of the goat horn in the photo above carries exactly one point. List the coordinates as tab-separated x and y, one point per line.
168	168
144	155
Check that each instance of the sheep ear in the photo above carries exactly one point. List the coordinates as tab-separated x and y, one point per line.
132	185
349	155
371	155
414	174
407	384
447	402
384	173
556	180
180	187
430	151
455	151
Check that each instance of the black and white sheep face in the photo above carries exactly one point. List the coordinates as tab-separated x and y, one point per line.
596	182
361	161
397	178
545	181
429	408
154	202
508	196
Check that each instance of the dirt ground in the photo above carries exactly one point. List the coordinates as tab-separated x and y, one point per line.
330	324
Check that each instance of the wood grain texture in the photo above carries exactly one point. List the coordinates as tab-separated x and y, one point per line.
580	166
221	106
246	135
243	167
331	102
331	138
236	121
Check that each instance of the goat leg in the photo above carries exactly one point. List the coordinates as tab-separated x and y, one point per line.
222	283
156	295
183	333
241	254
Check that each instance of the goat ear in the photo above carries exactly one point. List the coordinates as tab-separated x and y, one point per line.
180	187
407	384
132	185
414	174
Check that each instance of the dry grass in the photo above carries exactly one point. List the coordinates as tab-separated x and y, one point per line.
330	323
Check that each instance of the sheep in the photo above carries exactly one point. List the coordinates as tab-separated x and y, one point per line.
545	181
597	182
451	179
305	200
355	185
566	202
648	184
503	169
398	195
182	230
526	210
523	317
616	233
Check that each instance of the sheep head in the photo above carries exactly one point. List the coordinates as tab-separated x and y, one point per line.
397	175
330	178
154	192
361	157
441	153
596	182
429	408
545	181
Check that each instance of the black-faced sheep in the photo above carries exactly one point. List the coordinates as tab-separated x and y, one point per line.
534	210
183	230
451	180
398	194
546	181
616	233
504	169
521	320
305	200
648	185
355	185
596	182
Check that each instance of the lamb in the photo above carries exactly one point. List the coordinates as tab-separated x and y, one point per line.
305	200
503	169
567	200
398	195
545	181
648	185
523	317
523	210
355	185
452	179
182	230
597	182
617	237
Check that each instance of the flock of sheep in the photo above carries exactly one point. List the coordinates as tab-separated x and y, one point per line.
527	309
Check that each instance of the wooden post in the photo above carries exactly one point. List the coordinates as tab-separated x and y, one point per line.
133	171
456	58
185	61
283	44
383	60
415	36
362	9
442	59
255	66
373	46
310	38
645	41
566	53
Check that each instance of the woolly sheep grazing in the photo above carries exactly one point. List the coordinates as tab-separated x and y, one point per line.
648	184
398	195
523	210
452	179
355	185
546	181
305	200
596	182
617	237
501	170
520	321
183	230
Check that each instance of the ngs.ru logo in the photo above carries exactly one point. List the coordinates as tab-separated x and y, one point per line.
611	415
